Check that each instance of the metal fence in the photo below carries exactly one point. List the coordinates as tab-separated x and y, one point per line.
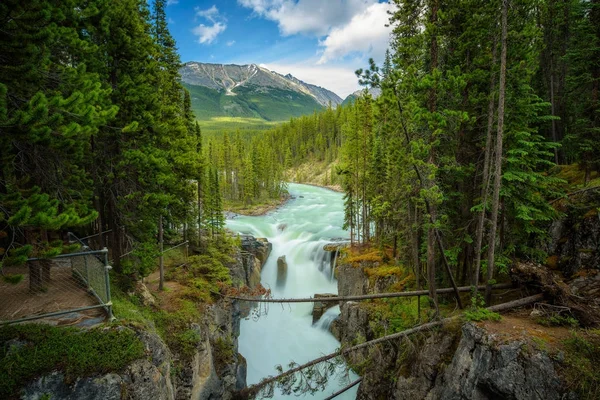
74	286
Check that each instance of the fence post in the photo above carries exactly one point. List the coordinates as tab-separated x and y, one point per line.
107	268
87	272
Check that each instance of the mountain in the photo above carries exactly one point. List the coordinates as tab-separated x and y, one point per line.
374	92
250	91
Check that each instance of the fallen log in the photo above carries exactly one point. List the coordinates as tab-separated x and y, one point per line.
254	389
366	296
344	389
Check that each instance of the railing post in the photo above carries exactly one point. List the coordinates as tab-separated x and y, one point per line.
107	268
87	272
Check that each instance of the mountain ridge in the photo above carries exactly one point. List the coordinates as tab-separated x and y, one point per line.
229	77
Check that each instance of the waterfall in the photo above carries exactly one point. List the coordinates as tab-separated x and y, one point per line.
299	230
327	318
335	256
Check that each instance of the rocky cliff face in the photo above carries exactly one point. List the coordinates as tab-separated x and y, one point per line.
148	378
575	238
456	362
479	367
215	369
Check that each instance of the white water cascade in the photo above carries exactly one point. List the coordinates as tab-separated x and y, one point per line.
298	230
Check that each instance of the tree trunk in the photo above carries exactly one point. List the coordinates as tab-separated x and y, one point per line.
35	276
498	155
431	264
485	179
161	263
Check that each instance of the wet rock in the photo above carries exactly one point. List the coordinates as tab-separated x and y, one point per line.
352	281
253	257
482	369
336	329
282	268
319	307
259	247
334	247
281	227
230	215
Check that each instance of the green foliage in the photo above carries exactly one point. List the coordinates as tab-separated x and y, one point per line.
388	316
224	351
205	273
477	312
14	279
580	364
175	328
558	320
30	350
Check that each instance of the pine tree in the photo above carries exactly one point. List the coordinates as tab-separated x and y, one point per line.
51	105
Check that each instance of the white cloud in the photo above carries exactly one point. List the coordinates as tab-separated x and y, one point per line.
311	17
366	33
231	43
208	33
210	13
339	79
171	2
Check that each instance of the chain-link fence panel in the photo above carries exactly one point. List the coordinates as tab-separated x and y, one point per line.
50	287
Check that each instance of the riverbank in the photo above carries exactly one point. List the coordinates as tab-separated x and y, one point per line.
334	188
258	209
316	173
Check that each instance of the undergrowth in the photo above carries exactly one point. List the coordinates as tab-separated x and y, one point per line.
30	350
477	312
202	277
581	360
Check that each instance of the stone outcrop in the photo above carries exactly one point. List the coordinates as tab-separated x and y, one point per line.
252	258
457	362
484	369
473	364
148	378
282	268
575	237
320	307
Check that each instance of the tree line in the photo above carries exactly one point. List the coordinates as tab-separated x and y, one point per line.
453	164
97	132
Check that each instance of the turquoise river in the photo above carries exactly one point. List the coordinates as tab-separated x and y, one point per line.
298	230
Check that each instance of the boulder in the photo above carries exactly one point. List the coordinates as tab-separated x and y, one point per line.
142	292
282	268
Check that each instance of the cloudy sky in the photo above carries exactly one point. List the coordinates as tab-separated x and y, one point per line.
319	41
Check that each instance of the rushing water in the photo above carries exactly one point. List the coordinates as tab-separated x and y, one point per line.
298	230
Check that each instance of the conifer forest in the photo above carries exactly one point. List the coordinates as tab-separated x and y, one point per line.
470	159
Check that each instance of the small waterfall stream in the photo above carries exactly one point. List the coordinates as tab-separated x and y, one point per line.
298	231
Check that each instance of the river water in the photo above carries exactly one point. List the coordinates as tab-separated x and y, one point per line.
298	230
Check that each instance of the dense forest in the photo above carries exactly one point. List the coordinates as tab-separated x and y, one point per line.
485	123
455	163
452	162
97	132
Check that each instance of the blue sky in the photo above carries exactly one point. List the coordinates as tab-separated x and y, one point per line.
319	41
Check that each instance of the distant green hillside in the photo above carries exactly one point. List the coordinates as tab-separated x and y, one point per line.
349	100
261	106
